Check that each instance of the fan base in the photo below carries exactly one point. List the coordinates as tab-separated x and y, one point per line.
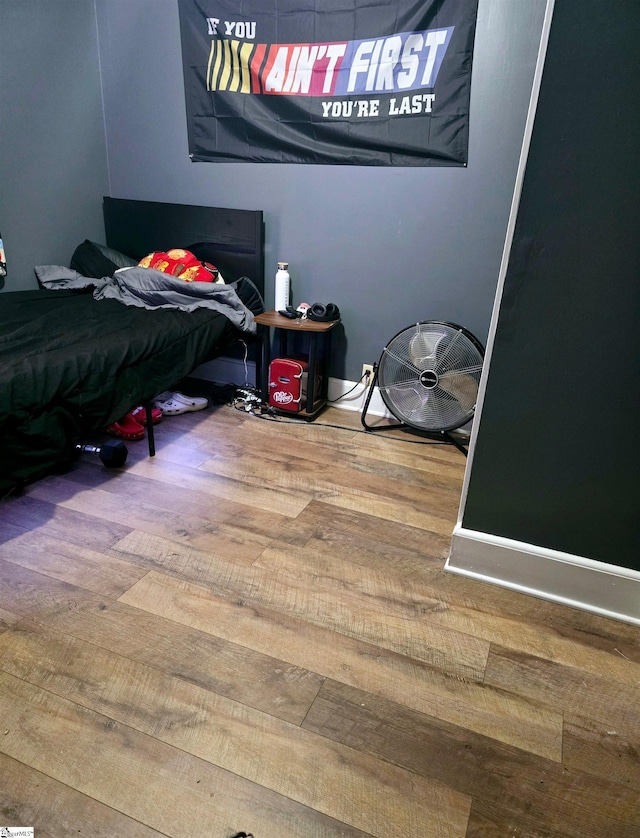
434	436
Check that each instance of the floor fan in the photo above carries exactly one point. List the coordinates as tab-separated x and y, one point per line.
428	376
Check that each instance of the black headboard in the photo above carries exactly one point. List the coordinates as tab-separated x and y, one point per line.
236	237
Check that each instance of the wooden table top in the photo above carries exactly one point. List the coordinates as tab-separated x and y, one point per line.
278	321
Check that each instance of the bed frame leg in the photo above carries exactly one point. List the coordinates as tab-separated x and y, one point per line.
150	434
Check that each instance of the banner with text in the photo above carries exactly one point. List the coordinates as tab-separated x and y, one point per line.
347	82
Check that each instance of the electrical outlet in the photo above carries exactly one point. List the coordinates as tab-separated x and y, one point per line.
367	368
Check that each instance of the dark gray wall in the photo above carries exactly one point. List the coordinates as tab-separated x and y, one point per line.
53	163
389	246
555	461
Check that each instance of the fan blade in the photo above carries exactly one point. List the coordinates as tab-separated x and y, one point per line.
409	401
463	388
476	368
404	362
454	340
423	349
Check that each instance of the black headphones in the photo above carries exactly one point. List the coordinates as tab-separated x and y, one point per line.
322	313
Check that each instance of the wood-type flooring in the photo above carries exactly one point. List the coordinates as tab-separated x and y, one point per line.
253	631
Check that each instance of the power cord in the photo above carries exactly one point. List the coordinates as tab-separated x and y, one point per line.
244	361
364	379
268	414
248	400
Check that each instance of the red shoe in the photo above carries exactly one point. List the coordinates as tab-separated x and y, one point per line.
126	428
140	415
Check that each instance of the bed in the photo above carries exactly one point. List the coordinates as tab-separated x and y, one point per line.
71	364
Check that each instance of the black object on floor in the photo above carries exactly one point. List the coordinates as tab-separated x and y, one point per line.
112	453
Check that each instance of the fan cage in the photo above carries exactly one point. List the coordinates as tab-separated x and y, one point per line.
429	375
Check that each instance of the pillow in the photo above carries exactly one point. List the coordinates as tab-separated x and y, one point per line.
120	259
95	260
182	264
90	262
249	294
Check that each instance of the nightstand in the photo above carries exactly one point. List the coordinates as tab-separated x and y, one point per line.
319	335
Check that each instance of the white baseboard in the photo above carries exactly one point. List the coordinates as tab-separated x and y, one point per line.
353	395
579	582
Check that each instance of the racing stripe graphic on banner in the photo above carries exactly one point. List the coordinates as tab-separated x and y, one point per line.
376	83
407	61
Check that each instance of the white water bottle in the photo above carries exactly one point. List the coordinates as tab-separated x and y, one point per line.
283	286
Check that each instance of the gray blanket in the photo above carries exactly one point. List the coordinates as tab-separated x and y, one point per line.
147	288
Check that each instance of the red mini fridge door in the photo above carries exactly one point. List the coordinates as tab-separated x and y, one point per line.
288	384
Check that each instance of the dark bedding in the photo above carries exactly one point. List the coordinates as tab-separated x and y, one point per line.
151	289
71	364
